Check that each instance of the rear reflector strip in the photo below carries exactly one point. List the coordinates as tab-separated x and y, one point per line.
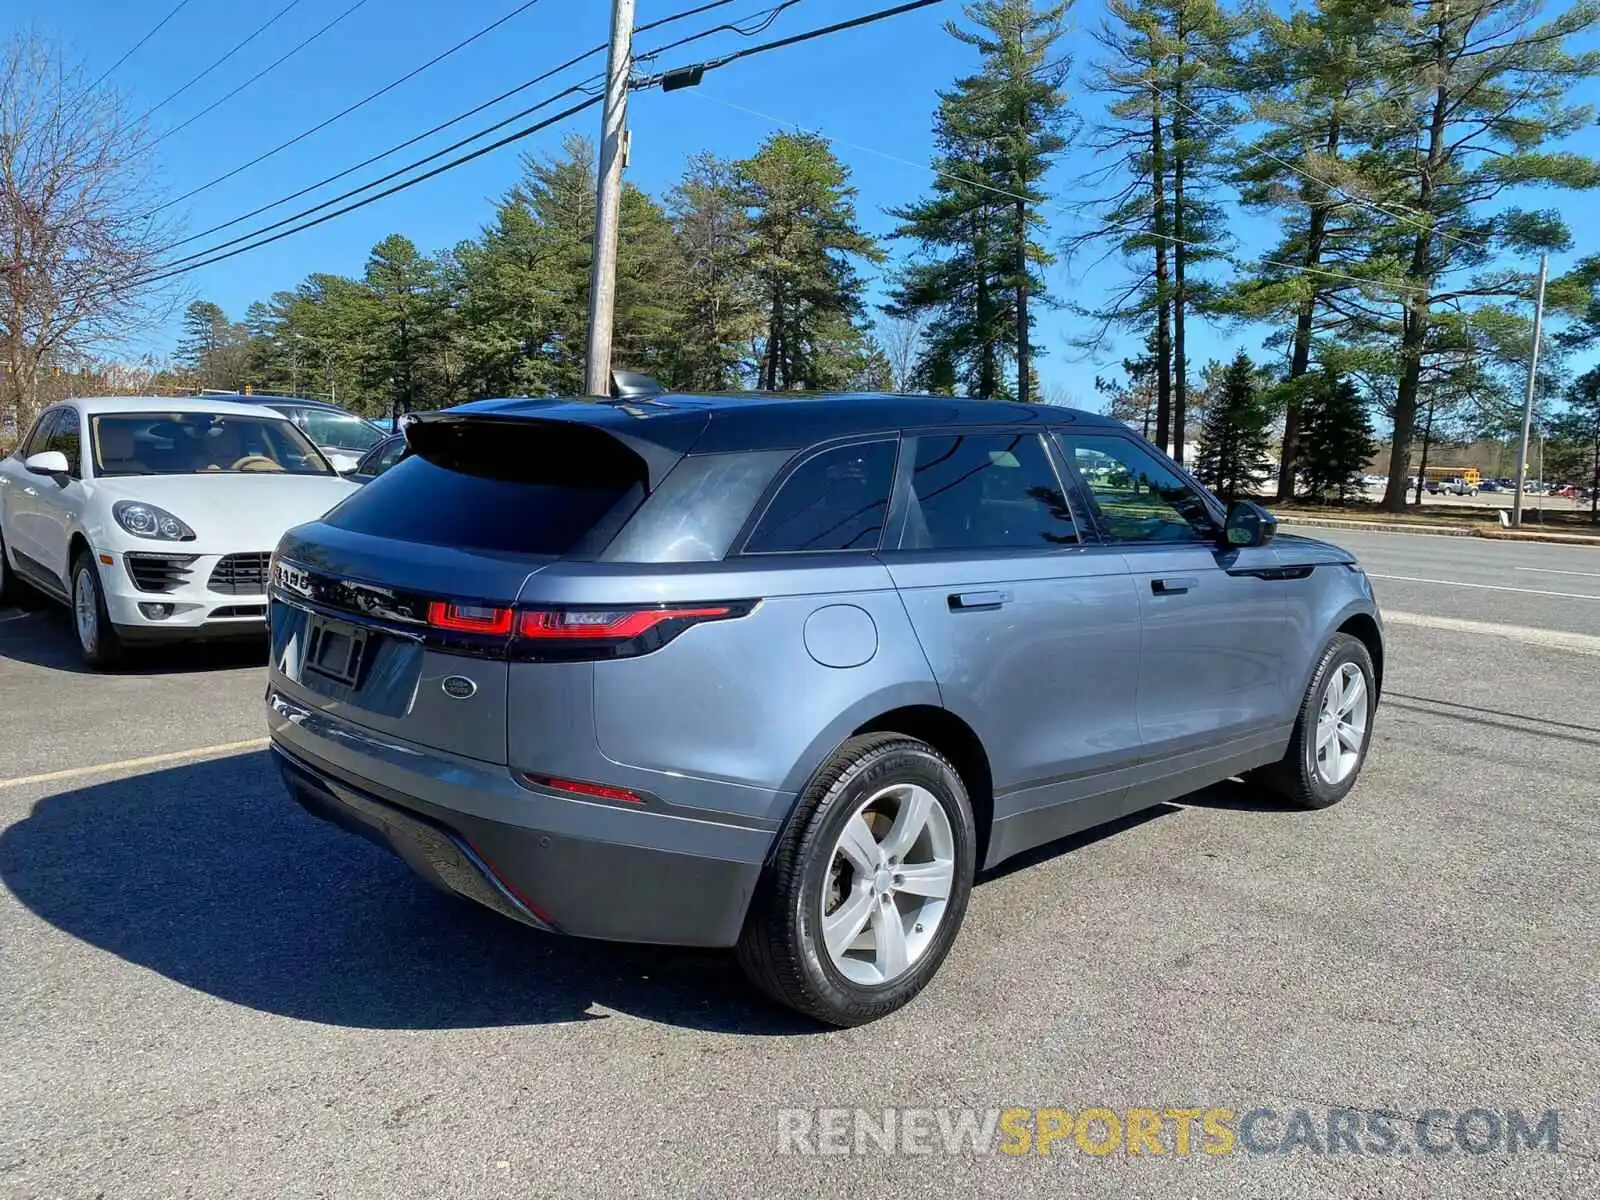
598	791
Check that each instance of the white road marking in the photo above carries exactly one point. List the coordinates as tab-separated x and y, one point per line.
1488	587
1553	571
1554	639
130	764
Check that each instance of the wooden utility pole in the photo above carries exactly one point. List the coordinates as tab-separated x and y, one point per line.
608	205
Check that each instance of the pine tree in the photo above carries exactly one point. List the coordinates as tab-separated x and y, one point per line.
1577	434
1233	440
1312	85
211	347
998	132
404	287
1495	93
1335	438
718	312
1156	71
1199	36
803	237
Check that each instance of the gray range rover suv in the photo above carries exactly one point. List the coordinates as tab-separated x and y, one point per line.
785	673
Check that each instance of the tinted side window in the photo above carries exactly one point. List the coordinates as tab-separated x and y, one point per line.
389	455
1136	496
66	436
699	508
38	440
835	500
990	491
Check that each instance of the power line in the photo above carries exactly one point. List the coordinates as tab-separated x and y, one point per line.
270	67
695	70
238	46
127	54
400	187
210	257
440	153
764	20
411	141
382	179
345	112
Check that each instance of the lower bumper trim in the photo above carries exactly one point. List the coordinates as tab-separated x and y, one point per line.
584	886
443	858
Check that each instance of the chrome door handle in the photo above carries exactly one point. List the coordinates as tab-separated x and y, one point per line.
966	601
1172	587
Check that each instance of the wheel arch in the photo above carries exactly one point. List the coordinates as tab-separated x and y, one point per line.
1364	628
957	741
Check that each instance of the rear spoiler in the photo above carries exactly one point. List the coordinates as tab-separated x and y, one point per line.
573	451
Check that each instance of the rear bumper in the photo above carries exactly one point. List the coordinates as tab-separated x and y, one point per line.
567	866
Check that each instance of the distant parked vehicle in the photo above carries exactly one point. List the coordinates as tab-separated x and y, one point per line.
1493	485
342	436
380	458
154	519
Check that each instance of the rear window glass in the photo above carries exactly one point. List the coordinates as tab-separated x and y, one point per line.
494	486
835	500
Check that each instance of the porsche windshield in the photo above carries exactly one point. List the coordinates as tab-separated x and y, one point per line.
201	443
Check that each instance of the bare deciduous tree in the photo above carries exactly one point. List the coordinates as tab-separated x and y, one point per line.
78	243
901	339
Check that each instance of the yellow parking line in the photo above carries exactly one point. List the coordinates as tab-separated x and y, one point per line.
132	764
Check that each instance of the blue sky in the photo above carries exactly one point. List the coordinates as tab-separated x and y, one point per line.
872	90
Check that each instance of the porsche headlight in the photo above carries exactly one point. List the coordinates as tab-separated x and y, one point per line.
148	521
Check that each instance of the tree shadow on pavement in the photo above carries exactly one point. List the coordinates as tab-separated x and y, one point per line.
45	638
210	875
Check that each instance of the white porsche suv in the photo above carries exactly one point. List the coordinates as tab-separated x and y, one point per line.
155	518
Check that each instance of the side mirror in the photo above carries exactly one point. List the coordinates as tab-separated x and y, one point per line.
1248	525
49	462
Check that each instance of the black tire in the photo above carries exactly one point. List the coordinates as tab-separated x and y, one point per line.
781	947
1295	777
8	585
106	650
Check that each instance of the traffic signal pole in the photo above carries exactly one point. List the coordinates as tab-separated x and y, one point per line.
608	205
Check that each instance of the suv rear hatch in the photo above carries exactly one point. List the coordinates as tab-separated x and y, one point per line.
395	611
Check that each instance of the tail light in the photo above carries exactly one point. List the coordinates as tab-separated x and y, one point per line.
571	633
469	618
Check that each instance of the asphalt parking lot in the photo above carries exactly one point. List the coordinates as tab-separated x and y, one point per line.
205	993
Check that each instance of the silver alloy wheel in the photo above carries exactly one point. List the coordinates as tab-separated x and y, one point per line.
888	885
1341	724
85	612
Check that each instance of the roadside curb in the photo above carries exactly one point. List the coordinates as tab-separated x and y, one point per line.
1489	531
1376	526
1538	535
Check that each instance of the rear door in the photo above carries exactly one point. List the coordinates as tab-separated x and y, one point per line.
1215	622
1031	629
25	500
61	506
394	611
